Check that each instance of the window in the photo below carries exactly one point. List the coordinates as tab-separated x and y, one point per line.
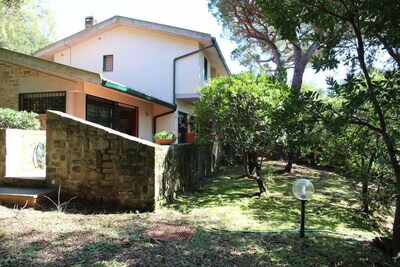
101	111
112	114
108	62
186	128
40	102
182	127
205	69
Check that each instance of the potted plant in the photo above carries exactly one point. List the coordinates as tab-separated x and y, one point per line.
191	130
165	138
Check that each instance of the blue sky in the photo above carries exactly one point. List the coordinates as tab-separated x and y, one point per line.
190	14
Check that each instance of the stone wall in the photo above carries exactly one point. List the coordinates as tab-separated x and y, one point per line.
102	165
18	166
180	168
2	154
9	83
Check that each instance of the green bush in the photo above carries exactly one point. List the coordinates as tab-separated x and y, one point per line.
13	119
165	135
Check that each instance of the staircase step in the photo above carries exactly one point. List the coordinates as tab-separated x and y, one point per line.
22	196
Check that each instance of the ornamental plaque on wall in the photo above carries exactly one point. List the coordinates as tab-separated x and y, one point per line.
39	156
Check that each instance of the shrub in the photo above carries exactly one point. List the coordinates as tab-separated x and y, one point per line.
165	135
13	119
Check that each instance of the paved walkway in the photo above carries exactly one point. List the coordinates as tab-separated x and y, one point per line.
25	191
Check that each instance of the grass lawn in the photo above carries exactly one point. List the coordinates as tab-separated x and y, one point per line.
235	227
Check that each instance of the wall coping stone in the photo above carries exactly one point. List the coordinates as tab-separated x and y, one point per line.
106	129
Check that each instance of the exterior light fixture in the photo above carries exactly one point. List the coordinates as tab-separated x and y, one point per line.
303	190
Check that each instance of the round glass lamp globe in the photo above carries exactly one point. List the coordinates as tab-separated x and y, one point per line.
303	189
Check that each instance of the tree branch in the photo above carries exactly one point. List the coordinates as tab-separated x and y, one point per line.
388	48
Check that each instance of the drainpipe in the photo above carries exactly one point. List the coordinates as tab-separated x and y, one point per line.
70	54
174	83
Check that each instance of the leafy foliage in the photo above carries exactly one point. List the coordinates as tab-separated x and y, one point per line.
297	120
165	135
238	110
13	119
358	154
376	22
25	26
269	35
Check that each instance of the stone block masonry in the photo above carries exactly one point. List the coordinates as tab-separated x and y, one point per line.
102	165
10	82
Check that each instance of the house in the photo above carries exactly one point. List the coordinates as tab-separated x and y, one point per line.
34	84
135	76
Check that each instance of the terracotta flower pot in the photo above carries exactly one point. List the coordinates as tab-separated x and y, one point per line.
165	141
190	137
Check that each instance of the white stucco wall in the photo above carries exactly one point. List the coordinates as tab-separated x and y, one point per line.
145	121
21	161
143	60
168	123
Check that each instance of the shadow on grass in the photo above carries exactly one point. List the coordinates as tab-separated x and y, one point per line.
222	191
206	248
71	249
329	209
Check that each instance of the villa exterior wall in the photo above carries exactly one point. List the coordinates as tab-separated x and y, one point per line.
143	60
15	80
10	83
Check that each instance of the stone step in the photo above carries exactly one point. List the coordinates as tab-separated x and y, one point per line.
22	196
26	182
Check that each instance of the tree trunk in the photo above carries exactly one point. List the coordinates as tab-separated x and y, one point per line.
364	194
297	79
396	228
261	186
254	172
300	62
291	157
289	165
365	183
389	142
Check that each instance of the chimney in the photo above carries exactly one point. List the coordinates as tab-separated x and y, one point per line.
89	22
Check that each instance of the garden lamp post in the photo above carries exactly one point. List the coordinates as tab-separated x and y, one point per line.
303	190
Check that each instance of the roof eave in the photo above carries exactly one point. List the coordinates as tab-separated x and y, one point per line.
49	67
214	41
122	88
114	22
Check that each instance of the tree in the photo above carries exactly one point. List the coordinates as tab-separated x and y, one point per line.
381	23
357	153
26	26
269	35
11	3
237	109
360	42
297	121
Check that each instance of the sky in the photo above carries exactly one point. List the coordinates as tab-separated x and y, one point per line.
189	14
